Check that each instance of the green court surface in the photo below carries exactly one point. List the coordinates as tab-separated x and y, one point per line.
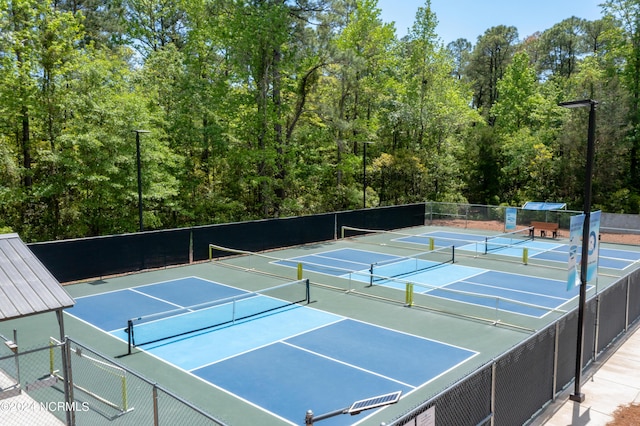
487	324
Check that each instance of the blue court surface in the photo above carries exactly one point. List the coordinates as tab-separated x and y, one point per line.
284	361
509	292
544	250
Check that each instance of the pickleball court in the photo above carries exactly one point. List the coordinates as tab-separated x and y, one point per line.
282	358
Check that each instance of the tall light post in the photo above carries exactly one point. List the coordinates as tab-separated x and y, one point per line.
364	174
577	395
139	177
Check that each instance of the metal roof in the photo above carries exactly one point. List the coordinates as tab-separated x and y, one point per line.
26	286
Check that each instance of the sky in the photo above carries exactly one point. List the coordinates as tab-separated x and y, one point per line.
471	18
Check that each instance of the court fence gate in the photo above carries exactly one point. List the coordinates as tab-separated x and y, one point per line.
514	387
98	391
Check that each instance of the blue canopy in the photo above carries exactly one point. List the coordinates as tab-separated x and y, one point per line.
541	205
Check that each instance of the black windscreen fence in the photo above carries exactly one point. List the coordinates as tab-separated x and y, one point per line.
466	403
590	322
523	384
634	296
384	218
613	302
86	258
474	392
263	234
567	345
73	260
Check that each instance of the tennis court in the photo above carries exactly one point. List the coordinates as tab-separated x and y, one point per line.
269	348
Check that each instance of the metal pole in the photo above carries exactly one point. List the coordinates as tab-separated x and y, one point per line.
139	177
578	396
139	182
67	371
364	175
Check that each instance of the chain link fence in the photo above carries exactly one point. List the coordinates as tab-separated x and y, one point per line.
446	212
29	394
95	390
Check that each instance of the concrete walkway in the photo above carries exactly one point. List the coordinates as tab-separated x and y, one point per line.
612	382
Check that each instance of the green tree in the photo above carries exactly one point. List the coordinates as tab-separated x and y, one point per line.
38	51
437	103
518	97
627	13
103	22
355	85
99	152
154	24
561	46
489	59
460	50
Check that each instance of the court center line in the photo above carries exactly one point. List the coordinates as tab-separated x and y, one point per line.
320	266
429	286
513	290
335	258
545	309
350	365
281	340
158	298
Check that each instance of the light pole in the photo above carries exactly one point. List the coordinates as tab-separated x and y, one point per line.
577	395
364	174
139	177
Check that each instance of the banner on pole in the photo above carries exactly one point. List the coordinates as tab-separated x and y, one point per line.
575	234
511	215
575	248
594	231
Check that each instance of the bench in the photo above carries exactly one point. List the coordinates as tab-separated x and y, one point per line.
544	227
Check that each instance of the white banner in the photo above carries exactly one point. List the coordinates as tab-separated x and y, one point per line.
575	239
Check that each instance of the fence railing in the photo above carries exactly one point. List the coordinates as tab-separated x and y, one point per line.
99	391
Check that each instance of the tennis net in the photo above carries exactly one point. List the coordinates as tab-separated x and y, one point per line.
188	320
508	239
396	268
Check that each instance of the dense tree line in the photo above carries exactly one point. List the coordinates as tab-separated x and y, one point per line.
263	108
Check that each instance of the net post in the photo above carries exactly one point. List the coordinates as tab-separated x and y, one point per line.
308	290
342	232
486	245
130	341
409	295
453	254
432	244
371	275
525	255
299	270
51	359
210	253
123	382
